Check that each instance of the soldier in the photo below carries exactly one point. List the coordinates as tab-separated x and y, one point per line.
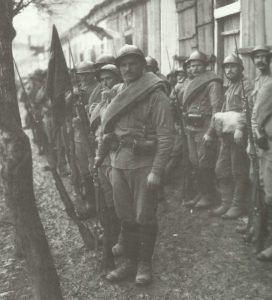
172	79
141	121
87	83
263	114
95	97
202	98
108	76
261	57
232	165
153	66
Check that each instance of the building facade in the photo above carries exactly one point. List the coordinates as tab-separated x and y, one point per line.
170	29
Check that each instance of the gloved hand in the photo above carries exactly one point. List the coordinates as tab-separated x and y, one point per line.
208	140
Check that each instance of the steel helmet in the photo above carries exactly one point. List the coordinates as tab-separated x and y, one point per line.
152	62
233	59
185	65
128	50
104	59
110	68
197	55
260	48
85	67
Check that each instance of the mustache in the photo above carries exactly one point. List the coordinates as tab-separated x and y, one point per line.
261	64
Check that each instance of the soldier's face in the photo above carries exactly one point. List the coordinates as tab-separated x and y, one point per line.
196	67
85	77
108	79
232	71
131	68
260	60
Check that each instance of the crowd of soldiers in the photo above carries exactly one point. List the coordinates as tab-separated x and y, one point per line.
135	131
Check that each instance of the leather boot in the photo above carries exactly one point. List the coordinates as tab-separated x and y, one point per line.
193	202
236	209
131	245
225	187
111	229
148	235
242	229
206	188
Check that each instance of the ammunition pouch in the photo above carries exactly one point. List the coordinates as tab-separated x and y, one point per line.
111	141
139	145
144	146
194	119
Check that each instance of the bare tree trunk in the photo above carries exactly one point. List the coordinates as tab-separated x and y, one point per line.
16	173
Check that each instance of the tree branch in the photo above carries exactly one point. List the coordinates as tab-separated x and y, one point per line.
21	5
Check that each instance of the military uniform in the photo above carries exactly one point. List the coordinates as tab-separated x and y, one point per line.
136	168
139	113
110	235
263	113
96	95
202	98
232	165
80	144
85	198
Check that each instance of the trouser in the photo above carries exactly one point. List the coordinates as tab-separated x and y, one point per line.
232	160
133	201
267	180
203	160
104	173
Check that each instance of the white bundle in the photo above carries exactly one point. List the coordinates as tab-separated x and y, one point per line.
226	122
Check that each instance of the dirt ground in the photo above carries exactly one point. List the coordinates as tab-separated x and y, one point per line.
196	257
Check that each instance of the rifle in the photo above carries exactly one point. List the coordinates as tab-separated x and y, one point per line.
187	178
83	117
86	234
256	221
103	212
85	130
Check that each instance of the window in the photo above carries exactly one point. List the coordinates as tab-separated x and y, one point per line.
220	3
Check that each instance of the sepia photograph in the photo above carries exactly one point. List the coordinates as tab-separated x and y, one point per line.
136	149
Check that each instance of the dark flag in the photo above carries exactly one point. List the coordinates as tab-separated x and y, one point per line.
58	79
58	82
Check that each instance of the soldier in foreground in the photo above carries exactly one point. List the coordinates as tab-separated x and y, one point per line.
141	121
232	166
202	98
87	82
263	115
108	76
261	58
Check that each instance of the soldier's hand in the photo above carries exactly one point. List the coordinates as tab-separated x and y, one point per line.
97	162
238	136
153	180
207	140
105	95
